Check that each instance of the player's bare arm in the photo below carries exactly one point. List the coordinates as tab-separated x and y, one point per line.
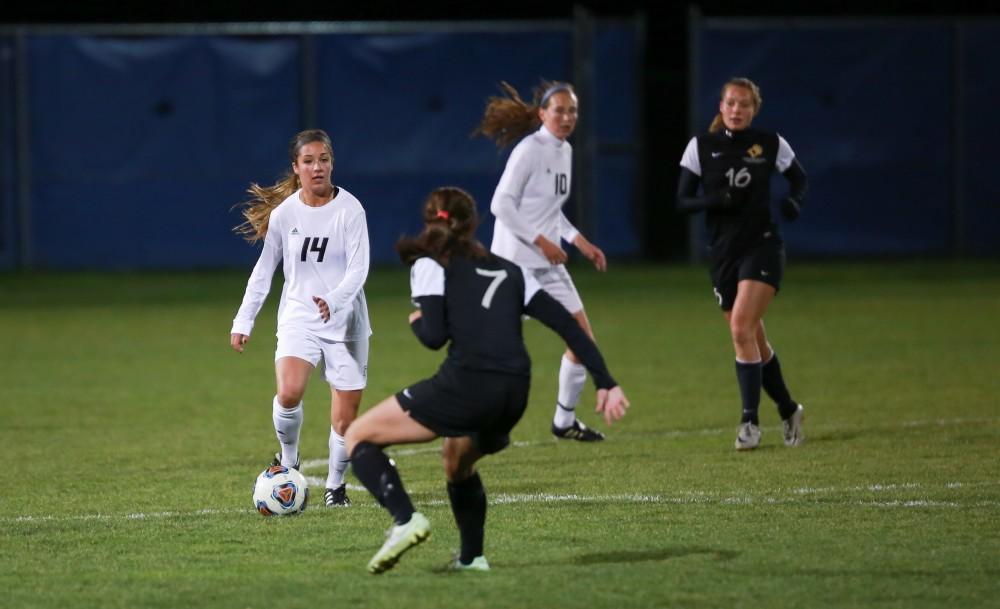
552	252
591	252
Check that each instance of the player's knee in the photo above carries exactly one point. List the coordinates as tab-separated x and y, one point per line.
289	398
743	333
456	466
352	440
456	471
358	446
341	426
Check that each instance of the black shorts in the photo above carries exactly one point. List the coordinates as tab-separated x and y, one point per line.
763	262
457	402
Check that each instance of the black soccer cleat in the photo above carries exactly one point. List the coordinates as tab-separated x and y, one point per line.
336	497
577	431
277	461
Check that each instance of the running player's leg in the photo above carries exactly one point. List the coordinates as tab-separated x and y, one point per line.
752	300
343	410
572	374
292	375
346	371
572	379
295	356
771	377
386	424
467	497
773	381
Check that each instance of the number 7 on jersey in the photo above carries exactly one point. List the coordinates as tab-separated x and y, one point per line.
498	277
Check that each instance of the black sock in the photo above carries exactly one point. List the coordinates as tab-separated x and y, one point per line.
376	471
774	385
749	379
468	503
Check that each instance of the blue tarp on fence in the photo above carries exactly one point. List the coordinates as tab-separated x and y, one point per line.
870	111
8	144
140	145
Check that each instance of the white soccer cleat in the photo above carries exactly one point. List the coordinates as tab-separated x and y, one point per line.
748	436
478	564
402	537
792	427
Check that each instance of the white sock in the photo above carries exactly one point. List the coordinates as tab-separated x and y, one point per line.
287	424
572	378
338	460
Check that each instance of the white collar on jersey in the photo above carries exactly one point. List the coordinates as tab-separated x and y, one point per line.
549	137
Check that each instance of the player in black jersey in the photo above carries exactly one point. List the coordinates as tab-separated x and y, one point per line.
473	301
733	164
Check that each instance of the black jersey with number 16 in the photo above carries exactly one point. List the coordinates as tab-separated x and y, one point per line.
739	163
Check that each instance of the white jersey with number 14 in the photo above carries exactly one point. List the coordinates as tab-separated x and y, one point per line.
325	252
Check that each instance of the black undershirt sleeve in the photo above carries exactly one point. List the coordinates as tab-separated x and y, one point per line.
687	194
547	310
430	327
797	180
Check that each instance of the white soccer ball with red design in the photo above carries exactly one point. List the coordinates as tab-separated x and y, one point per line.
280	491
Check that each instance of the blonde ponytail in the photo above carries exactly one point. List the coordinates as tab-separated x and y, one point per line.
264	199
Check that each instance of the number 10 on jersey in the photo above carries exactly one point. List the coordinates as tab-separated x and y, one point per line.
562	183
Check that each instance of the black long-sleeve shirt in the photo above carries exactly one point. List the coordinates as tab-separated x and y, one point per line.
475	305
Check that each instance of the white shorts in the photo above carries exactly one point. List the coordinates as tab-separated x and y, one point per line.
556	281
345	363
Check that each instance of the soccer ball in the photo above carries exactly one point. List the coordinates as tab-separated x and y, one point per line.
280	491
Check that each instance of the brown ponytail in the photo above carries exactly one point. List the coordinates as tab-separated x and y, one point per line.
509	118
450	221
264	199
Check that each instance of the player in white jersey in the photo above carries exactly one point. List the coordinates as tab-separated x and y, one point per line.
530	224
319	232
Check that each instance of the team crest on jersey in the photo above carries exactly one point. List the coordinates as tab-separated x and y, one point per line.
753	154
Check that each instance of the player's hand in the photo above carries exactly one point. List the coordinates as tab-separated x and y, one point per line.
236	341
612	402
324	309
591	252
735	198
790	209
552	252
414	316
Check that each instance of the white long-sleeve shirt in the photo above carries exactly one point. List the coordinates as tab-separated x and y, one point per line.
326	254
529	197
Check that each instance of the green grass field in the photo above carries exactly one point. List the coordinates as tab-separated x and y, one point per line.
134	434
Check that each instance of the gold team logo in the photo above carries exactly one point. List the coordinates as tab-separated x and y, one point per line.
754	155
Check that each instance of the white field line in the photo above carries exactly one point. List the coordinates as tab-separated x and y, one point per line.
789	496
682	498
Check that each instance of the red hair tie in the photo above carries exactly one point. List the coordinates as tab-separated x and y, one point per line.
442	214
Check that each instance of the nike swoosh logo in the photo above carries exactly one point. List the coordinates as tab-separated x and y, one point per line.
406	392
765	273
716	155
